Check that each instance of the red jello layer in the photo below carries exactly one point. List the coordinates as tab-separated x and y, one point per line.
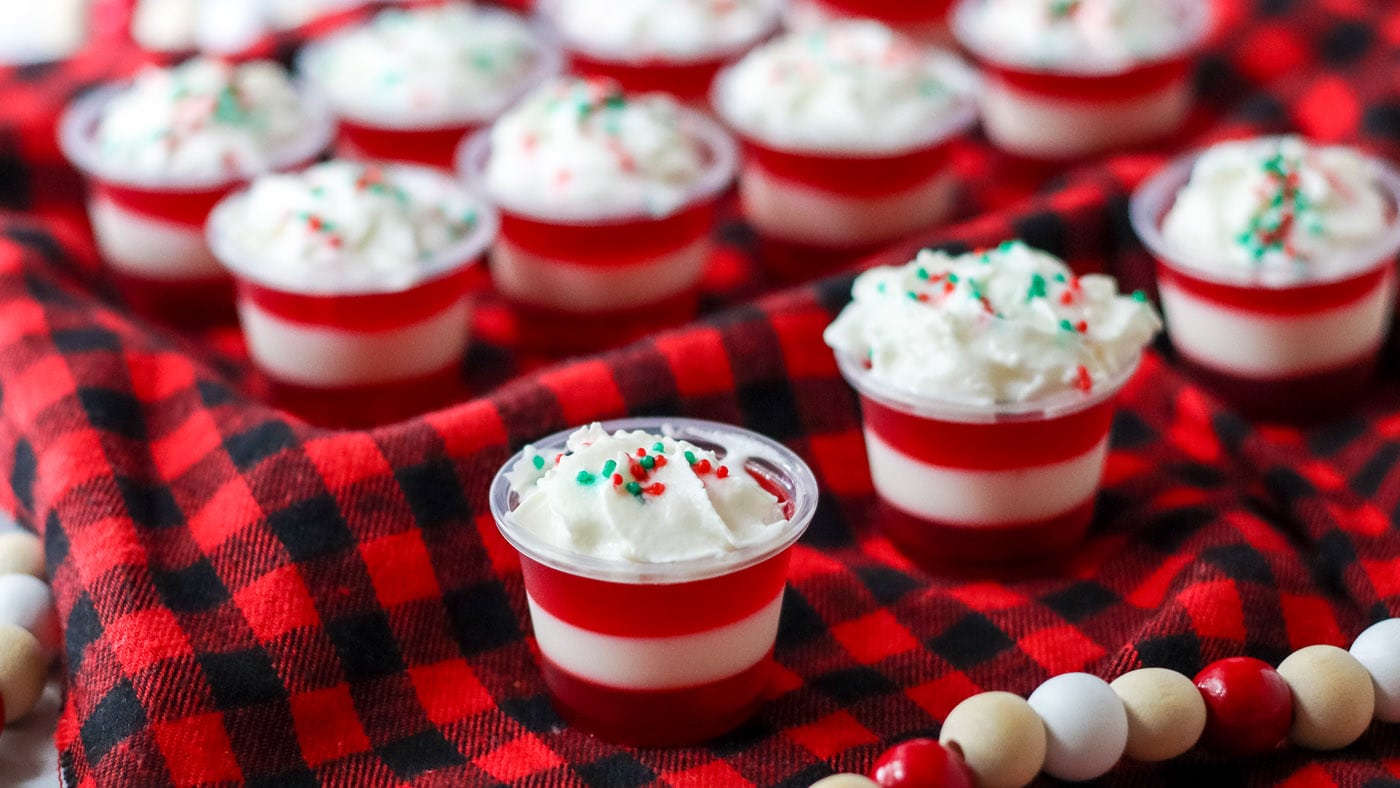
367	405
362	312
942	546
189	208
689	80
609	243
794	261
989	445
847	175
189	303
654	610
657	718
1312	396
1286	301
893	12
1094	88
434	147
560	331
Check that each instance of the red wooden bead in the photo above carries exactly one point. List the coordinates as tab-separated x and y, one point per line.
1249	708
921	763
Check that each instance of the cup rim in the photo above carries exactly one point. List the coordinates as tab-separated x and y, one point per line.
803	482
548	13
1040	409
474	152
549	64
1151	200
462	253
77	125
1194	37
959	119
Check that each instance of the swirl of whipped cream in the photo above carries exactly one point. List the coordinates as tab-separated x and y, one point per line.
1010	325
1080	34
203	118
582	146
848	86
637	496
343	225
436	64
1277	208
674	30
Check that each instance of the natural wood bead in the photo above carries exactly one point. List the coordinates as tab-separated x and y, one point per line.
999	736
846	781
23	671
1333	698
21	553
28	602
1166	714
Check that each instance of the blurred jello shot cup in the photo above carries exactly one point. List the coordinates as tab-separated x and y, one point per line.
926	20
847	134
987	385
1065	79
673	47
607	204
352	286
410	84
1275	265
159	152
655	554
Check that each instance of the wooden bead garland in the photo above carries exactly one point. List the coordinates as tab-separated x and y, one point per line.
29	629
21	554
23	671
1321	697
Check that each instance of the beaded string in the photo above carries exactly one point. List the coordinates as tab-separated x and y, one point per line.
29	630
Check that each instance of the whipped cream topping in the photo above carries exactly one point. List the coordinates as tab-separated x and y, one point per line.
848	86
1080	34
582	146
1005	326
346	225
673	30
641	497
1278	209
41	32
203	118
436	64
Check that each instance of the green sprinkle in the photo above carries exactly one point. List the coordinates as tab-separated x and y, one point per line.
633	487
922	273
658	447
538	462
690	457
609	467
1140	296
1059	278
1037	287
647	462
584	477
1066	325
954	278
913	296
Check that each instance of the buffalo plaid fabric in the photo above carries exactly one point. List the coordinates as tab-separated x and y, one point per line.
248	599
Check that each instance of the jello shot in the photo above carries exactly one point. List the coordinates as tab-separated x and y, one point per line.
410	84
674	47
847	133
607	203
352	286
987	385
1275	266
926	20
654	555
158	153
1065	79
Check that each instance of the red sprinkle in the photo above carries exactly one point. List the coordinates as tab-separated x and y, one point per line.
558	458
723	471
638	472
661	461
1067	297
655	488
641	452
1082	326
617	480
702	467
1084	382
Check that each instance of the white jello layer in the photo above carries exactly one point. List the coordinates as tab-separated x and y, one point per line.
558	284
662	663
321	357
1254	345
1045	127
144	246
780	208
958	496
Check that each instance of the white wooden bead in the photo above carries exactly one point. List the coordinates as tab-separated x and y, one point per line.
1378	649
1333	698
28	602
1166	714
1000	738
23	671
21	553
1086	727
846	781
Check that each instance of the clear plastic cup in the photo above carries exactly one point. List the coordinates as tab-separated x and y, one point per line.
432	139
969	485
353	355
150	228
816	210
1063	112
1274	349
660	654
583	280
925	20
